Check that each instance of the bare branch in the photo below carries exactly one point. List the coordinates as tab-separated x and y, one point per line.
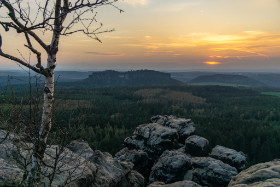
21	27
38	54
43	72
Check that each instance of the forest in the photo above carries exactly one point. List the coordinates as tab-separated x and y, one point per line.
243	118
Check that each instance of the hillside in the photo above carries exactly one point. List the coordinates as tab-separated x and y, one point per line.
130	78
226	79
269	79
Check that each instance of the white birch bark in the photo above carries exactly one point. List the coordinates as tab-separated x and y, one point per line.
46	123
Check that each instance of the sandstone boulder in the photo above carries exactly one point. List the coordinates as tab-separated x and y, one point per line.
153	139
260	175
184	127
80	166
72	169
211	172
170	167
197	146
109	171
229	156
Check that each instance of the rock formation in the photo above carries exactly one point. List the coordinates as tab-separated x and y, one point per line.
163	153
176	154
211	172
78	165
260	175
170	167
197	146
229	156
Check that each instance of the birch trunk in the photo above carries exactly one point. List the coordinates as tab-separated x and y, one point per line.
46	123
45	127
41	142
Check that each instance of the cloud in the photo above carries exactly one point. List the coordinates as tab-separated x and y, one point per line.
228	47
136	2
104	53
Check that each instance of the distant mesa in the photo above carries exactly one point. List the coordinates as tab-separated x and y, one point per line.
226	79
130	78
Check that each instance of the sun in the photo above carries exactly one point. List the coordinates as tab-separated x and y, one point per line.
212	63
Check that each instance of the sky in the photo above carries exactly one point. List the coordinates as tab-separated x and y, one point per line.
172	35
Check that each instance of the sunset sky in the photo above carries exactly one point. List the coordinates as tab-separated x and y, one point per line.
174	35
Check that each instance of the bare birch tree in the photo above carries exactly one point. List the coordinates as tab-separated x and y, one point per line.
59	18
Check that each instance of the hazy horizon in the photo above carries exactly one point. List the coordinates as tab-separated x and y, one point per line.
19	70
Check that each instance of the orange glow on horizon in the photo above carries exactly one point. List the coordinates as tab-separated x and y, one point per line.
212	63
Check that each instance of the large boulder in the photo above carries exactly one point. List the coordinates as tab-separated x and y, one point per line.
138	157
176	184
260	175
197	146
109	171
170	167
157	136
71	169
211	172
184	127
77	166
229	156
152	138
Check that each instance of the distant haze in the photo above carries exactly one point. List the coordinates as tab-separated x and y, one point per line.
213	35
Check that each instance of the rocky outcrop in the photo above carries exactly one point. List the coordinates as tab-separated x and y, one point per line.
260	175
170	160
71	168
109	171
229	156
162	153
211	172
197	146
170	167
77	165
184	127
152	138
176	184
